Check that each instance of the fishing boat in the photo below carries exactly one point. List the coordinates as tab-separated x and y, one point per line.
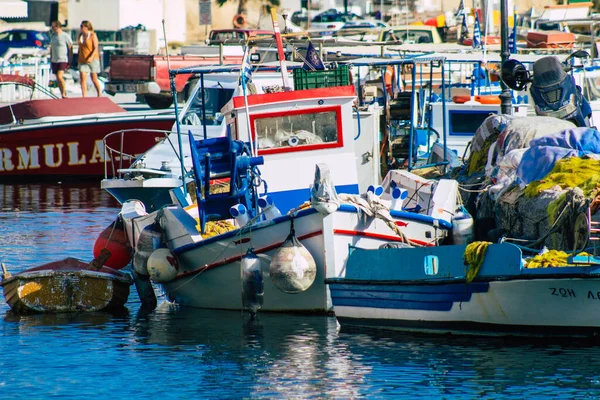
69	285
270	166
432	290
62	139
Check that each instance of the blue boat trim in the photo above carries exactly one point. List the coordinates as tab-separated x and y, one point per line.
405	215
438	298
287	200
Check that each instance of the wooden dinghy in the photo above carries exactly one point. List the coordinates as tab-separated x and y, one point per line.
69	285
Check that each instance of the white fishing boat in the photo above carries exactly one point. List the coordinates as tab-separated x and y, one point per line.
432	290
200	249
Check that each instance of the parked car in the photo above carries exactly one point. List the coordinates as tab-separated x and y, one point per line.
332	20
411	34
19	38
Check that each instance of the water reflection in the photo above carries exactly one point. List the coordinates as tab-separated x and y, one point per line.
53	197
279	356
486	367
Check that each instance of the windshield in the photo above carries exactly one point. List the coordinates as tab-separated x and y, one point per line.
408	36
215	98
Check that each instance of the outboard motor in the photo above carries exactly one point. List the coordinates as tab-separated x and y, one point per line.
553	90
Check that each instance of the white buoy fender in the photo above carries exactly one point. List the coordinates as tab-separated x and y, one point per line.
240	214
148	241
268	207
293	268
253	288
162	265
462	228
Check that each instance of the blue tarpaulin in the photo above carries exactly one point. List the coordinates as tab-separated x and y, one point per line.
544	152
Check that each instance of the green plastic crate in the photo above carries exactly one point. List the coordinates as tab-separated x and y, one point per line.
321	78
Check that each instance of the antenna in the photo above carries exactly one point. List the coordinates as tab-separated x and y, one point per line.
177	123
166	45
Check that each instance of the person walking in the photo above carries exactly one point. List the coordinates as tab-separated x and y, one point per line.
89	57
61	54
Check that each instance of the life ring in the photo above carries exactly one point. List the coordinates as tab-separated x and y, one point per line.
460	99
488	99
390	79
239	21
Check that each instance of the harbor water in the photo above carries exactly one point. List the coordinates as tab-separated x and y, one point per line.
188	353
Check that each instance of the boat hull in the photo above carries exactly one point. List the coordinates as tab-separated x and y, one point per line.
427	290
74	149
209	275
66	286
542	306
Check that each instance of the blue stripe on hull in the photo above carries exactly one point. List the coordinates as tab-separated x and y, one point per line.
431	298
288	199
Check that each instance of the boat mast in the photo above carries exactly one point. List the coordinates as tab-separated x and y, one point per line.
284	74
505	96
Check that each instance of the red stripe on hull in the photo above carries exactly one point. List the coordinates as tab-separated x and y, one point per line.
372	235
238	258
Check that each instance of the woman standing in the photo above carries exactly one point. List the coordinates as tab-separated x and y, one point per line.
89	58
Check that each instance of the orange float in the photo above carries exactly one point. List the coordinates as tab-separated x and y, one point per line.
488	99
483	99
113	238
390	79
461	99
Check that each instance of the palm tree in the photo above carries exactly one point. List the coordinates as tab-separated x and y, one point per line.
243	5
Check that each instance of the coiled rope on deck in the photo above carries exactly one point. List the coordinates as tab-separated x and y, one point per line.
474	257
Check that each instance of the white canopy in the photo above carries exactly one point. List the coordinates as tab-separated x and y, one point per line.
13	9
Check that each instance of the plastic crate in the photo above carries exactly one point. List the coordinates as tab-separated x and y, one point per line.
321	78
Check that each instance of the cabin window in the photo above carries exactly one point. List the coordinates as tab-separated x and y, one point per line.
298	130
465	123
431	265
214	99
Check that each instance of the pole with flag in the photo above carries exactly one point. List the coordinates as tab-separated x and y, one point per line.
245	78
512	39
284	73
477	33
312	61
461	9
464	30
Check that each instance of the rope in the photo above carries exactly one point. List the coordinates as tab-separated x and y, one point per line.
371	206
548	232
474	257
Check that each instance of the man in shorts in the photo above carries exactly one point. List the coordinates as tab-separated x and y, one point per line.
61	53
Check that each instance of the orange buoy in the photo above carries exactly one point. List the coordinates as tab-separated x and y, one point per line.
483	99
460	99
390	79
488	99
113	238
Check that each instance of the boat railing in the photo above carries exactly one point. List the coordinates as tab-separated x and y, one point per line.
114	158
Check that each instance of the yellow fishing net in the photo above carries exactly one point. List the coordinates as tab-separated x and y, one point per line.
569	173
214	228
551	258
474	256
478	159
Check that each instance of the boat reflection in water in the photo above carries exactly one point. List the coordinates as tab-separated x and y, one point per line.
50	197
276	355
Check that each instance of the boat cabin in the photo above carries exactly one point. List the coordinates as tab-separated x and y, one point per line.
294	130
